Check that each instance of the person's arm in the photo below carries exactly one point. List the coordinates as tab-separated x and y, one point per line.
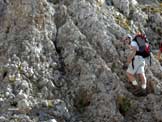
131	54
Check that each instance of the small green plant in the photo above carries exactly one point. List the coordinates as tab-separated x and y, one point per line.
82	99
2	95
123	22
113	67
14	120
20	68
124	104
152	9
12	78
159	30
50	105
161	5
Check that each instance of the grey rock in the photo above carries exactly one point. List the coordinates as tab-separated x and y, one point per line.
63	60
21	95
23	118
51	85
61	108
3	119
45	92
45	103
123	5
23	104
51	120
43	82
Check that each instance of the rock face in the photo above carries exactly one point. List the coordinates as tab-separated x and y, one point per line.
62	61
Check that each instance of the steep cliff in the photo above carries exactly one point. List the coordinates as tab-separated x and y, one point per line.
62	60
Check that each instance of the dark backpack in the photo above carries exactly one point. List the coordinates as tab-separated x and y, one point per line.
144	46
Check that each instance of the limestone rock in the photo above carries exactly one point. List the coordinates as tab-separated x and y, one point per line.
23	104
63	60
123	5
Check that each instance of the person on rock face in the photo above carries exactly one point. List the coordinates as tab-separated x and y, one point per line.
159	52
159	55
136	64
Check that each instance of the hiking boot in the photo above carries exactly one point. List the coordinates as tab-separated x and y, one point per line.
130	87
140	92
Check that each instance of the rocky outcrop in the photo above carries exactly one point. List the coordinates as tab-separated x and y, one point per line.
62	61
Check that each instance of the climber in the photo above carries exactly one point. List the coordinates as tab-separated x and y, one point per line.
159	52
159	55
136	63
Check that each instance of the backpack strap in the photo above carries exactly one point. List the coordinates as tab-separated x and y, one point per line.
135	39
133	62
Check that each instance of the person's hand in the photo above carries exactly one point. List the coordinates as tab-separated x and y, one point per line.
129	60
131	54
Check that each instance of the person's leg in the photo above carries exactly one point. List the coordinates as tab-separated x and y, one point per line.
132	79
143	80
141	73
131	74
